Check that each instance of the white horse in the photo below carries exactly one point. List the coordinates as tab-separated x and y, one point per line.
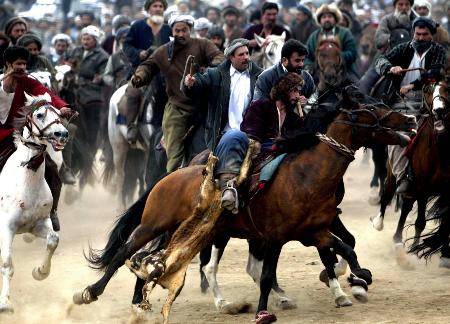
117	134
25	197
271	54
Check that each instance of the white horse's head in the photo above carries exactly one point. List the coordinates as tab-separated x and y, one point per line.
43	77
43	123
272	52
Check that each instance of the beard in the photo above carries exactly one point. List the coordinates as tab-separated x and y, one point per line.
402	16
327	26
159	20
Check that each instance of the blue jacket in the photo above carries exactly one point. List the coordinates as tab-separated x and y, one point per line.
140	37
269	77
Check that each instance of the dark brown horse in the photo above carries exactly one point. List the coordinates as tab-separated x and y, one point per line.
300	204
329	68
430	163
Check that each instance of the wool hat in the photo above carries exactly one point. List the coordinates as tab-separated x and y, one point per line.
12	22
29	38
425	22
234	45
331	9
305	10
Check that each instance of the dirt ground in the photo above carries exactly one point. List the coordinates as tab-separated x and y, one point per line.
396	296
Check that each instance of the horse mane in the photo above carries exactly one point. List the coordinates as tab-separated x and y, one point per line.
328	44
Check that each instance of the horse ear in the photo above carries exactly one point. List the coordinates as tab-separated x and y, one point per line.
283	36
47	97
29	98
259	40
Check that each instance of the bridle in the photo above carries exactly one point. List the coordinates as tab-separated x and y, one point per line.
445	100
30	122
352	121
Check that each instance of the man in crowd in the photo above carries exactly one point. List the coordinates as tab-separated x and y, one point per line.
421	52
422	8
304	24
60	49
170	60
401	18
268	26
12	98
143	38
231	28
293	55
328	16
217	36
15	28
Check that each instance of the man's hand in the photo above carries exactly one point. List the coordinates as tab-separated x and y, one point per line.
397	70
65	112
143	55
303	100
405	89
189	81
136	81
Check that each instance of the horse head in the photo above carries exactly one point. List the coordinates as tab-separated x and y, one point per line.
437	101
330	63
373	123
272	51
43	122
43	77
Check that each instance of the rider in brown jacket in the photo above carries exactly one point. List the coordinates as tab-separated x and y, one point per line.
170	60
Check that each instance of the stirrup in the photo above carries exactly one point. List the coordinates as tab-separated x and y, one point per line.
230	186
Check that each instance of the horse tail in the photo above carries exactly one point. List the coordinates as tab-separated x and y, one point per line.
439	237
123	227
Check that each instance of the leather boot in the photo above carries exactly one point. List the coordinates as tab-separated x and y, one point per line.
229	199
55	220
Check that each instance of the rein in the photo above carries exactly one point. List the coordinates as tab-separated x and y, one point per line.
30	120
338	147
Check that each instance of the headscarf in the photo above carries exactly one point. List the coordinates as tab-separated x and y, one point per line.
61	37
29	38
93	31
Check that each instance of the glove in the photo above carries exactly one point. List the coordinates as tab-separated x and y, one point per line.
136	81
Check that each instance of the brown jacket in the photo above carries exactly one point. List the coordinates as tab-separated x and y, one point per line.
171	58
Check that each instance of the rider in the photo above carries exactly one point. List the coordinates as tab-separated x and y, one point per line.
12	97
293	55
328	17
237	76
423	53
264	121
144	37
170	60
401	18
268	26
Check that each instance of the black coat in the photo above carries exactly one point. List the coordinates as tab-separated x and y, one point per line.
216	83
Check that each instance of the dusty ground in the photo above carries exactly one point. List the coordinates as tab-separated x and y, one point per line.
396	296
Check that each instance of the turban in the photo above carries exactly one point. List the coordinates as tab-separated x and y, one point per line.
93	31
425	22
61	37
202	23
234	45
187	19
12	22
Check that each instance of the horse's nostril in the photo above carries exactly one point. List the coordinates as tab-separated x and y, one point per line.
65	134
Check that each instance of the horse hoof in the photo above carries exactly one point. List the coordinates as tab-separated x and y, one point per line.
264	317
285	304
6	307
444	263
28	238
343	301
404	260
83	297
377	222
38	275
225	307
323	276
360	294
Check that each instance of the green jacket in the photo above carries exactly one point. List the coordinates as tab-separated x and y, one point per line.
348	46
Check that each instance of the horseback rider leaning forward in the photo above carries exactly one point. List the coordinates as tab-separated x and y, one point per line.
264	121
12	97
423	53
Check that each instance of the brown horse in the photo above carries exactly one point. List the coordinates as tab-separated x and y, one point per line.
330	67
299	204
430	164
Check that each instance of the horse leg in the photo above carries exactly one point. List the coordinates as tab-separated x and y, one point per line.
445	237
140	236
385	199
7	269
45	230
328	259
420	220
205	257
403	260
254	269
269	270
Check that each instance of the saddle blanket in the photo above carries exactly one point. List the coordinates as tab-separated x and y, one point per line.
269	169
